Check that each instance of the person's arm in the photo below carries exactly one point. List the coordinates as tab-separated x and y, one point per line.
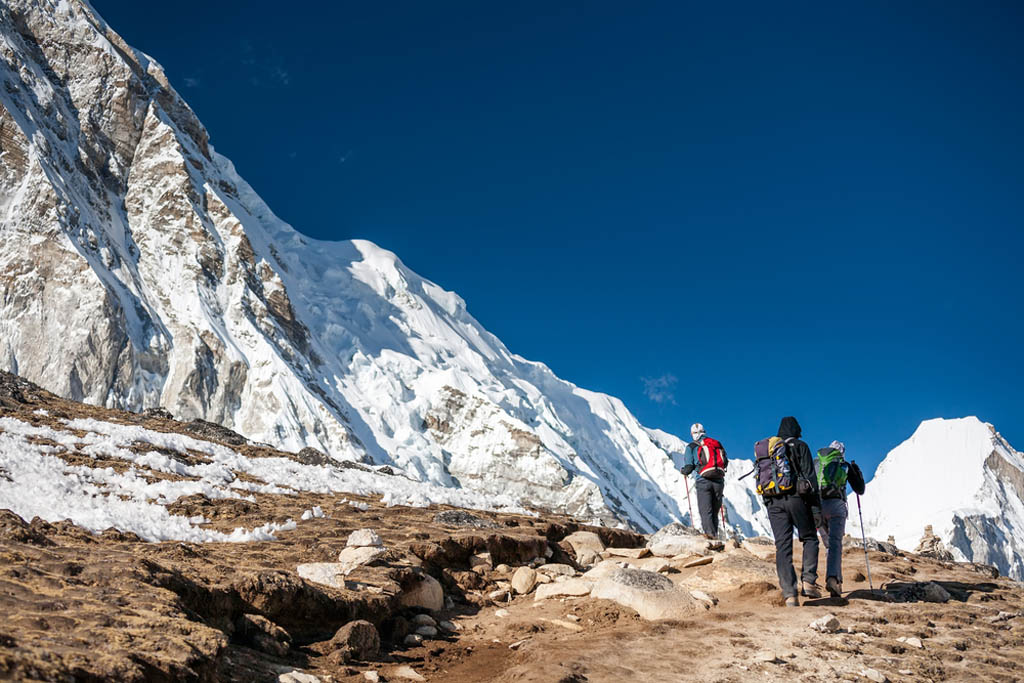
807	466
689	459
855	478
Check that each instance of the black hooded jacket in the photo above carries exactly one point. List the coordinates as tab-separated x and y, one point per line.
799	452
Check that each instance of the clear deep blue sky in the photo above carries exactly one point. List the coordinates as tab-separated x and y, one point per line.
718	213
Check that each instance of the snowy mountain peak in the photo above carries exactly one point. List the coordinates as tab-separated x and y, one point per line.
143	271
962	477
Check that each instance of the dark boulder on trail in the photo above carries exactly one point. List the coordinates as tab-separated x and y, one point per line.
463	519
210	430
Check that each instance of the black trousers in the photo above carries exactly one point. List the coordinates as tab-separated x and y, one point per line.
785	514
709	502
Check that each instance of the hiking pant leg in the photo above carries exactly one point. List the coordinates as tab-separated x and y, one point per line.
835	511
782	530
718	499
803	518
706	505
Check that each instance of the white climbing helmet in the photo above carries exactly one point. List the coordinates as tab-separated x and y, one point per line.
697	431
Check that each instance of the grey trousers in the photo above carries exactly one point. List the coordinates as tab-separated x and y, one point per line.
785	514
834	512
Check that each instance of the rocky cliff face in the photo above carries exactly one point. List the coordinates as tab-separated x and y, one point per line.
139	270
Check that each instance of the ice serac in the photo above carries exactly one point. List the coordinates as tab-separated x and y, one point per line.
964	479
139	270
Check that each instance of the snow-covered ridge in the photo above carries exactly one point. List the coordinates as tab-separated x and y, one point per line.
36	480
964	479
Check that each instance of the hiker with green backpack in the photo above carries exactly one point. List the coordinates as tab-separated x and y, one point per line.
834	473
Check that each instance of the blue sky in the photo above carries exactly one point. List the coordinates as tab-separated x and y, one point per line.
717	213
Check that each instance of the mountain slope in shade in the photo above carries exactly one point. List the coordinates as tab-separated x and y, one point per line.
962	477
140	270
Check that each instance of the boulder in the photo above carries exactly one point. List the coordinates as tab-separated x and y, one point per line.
730	571
424	620
405	672
677	539
933	592
427	631
524	580
706	598
356	640
569	587
584	542
912	642
362	538
588	558
555	569
424	592
652	595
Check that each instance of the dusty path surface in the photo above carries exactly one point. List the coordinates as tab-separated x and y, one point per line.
79	606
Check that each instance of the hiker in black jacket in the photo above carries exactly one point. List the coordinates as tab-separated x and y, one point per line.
796	510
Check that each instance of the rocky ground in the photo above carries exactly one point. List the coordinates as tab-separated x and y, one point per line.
360	591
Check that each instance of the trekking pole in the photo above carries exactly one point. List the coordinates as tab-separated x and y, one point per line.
864	537
724	528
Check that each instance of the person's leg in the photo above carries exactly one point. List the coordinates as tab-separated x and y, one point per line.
837	512
782	530
803	519
717	496
705	503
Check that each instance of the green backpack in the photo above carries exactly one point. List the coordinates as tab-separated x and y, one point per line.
831	470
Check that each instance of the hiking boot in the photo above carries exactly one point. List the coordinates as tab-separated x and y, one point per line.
792	602
811	591
835	589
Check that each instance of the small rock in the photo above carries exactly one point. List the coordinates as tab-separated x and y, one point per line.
362	538
480	563
571	587
406	672
933	592
357	640
500	595
635	553
558	569
264	635
912	642
572	617
448	626
698	562
588	558
413	639
548	552
297	676
427	631
503	568
827	624
704	597
1003	616
371	676
544	578
356	556
767	657
501	613
518	644
524	580
424	620
568	625
874	675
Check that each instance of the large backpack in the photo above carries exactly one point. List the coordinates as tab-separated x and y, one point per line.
831	470
775	473
712	459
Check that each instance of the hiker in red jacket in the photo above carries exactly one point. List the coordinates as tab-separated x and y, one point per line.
707	457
